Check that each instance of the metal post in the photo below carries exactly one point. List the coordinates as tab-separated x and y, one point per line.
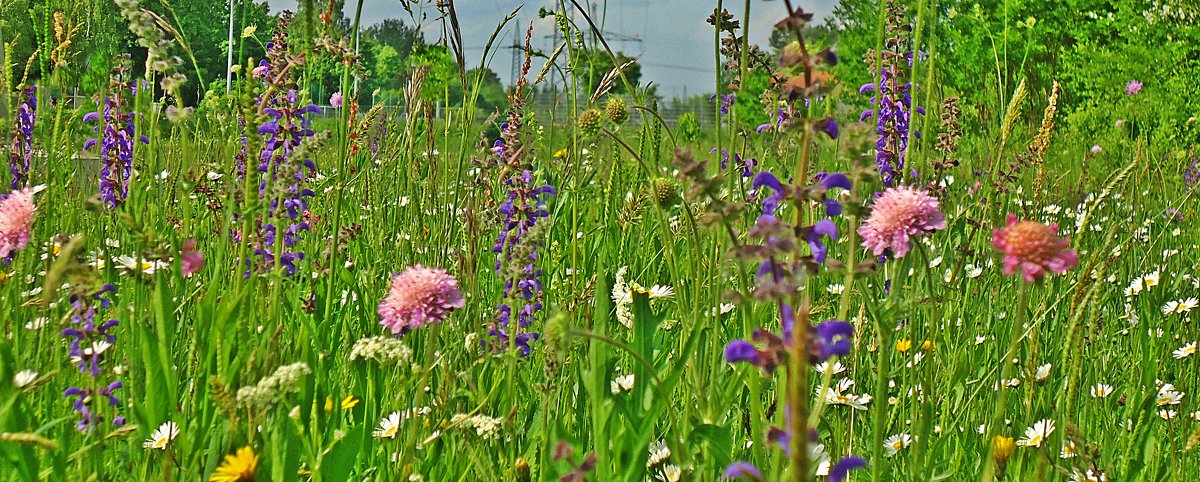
229	55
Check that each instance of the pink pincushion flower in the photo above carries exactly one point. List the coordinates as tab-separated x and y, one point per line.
899	214
16	218
1033	247
335	100
419	296
190	259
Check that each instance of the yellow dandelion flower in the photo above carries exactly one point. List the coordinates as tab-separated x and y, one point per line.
928	345
903	345
239	466
347	403
1003	448
561	153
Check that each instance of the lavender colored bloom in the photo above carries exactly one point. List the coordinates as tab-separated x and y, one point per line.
22	141
823	228
828	126
284	169
770	203
830	338
893	112
1191	174
726	102
741	351
89	344
742	470
116	142
519	239
1133	87
844	466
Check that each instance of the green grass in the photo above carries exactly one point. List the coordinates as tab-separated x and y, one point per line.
184	346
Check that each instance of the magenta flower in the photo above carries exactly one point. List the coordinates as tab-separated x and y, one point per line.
1133	87
336	99
190	260
899	214
16	219
1033	247
419	296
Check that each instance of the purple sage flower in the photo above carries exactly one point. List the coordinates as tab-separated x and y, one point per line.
90	342
22	142
115	130
892	98
518	242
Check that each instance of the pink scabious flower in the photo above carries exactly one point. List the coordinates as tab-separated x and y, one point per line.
419	296
335	100
16	219
1133	87
190	259
1033	247
899	214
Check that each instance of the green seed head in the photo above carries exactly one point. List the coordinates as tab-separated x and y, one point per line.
616	110
590	122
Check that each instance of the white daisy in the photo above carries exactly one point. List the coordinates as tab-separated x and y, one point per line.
838	367
161	437
1135	288
1185	351
839	394
1042	373
817	453
1091	475
1180	307
670	473
1101	390
131	264
24	377
1168	395
389	426
97	348
1151	279
1037	434
1166	414
660	292
659	453
621	384
895	443
1068	450
722	309
836	289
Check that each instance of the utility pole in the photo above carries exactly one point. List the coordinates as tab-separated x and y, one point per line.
3	74
518	51
229	53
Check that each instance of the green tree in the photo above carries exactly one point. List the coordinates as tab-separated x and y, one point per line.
591	65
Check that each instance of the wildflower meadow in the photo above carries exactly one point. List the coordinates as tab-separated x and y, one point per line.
419	240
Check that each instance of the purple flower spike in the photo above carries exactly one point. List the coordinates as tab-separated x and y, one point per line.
843	467
740	351
828	126
832	338
823	227
742	470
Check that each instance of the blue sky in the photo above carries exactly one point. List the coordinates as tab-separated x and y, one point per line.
676	48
